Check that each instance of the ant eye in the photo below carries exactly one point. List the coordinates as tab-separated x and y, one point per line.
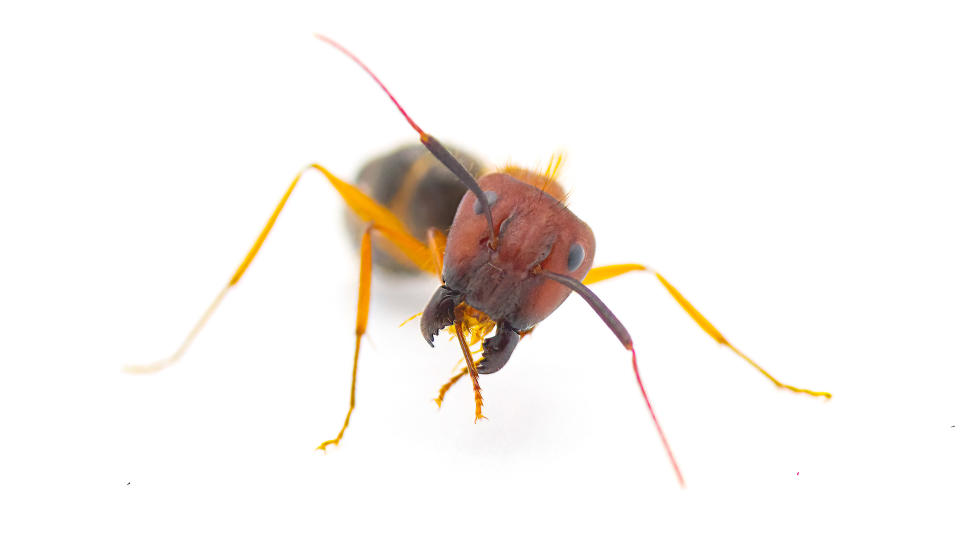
491	197
575	258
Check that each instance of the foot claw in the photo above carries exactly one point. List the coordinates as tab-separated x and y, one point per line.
324	446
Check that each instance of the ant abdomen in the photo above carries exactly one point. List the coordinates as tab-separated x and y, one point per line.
418	189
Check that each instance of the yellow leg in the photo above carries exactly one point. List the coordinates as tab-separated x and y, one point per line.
387	224
363	310
369	210
601	273
157	366
437	244
471	368
453	380
447	385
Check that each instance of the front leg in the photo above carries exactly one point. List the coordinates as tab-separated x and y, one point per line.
497	349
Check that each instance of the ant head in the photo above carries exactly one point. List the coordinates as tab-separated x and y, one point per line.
536	233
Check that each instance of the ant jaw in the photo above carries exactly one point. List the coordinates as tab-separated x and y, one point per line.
439	312
497	349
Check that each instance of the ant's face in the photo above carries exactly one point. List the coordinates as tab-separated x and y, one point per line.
535	233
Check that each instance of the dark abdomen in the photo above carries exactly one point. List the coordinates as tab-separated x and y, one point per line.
418	189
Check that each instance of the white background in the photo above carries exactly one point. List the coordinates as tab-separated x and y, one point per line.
793	169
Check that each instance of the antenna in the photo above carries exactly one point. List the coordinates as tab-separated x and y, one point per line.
432	144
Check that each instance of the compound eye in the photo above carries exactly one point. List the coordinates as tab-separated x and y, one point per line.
491	197
575	258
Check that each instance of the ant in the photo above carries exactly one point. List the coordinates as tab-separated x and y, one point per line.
505	246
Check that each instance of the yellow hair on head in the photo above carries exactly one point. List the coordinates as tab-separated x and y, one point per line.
545	180
553	166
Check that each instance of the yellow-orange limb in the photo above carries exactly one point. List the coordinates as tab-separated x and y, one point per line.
363	311
472	369
437	243
447	385
387	224
460	372
601	273
175	357
157	366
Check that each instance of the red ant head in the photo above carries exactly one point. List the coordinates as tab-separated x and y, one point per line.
536	233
